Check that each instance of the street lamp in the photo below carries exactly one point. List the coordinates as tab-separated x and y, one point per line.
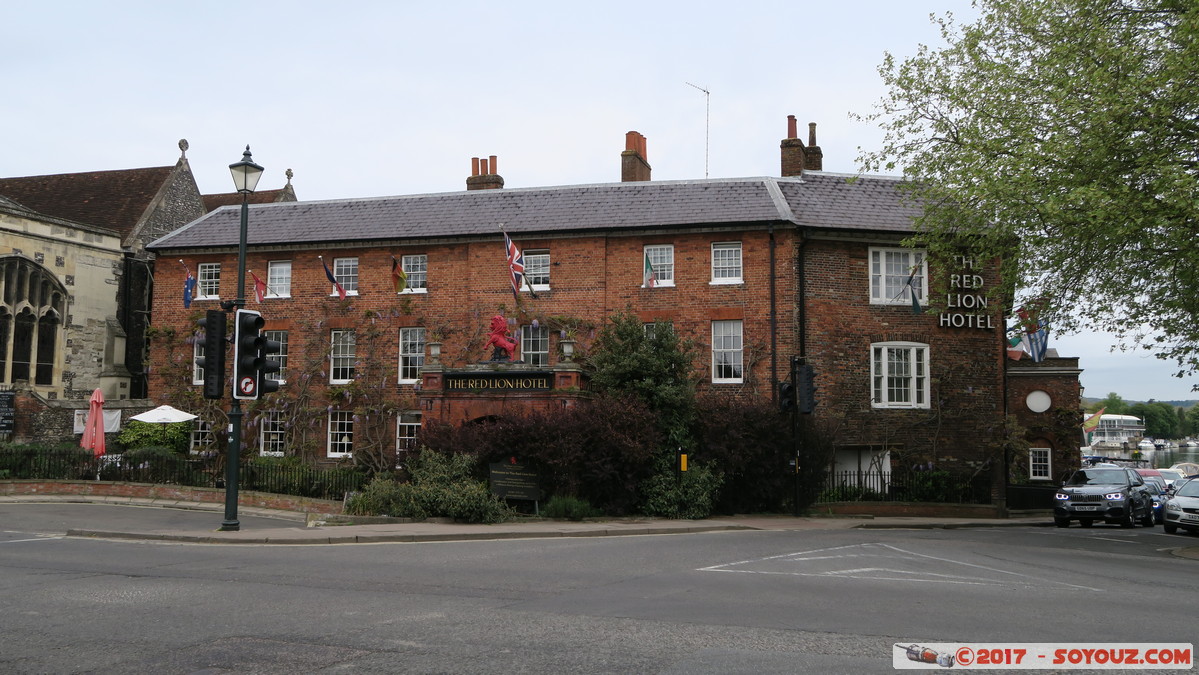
245	178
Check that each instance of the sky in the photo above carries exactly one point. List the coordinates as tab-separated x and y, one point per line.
368	99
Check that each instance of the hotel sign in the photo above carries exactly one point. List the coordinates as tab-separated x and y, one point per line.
966	302
529	381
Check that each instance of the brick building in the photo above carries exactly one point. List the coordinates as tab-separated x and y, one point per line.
76	283
756	270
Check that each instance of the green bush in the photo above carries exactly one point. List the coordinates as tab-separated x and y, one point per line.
440	486
61	461
569	508
689	495
159	464
135	434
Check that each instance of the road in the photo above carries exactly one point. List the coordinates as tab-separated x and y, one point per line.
829	601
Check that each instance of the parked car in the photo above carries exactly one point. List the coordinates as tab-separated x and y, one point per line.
1159	494
1112	495
1182	508
1170	475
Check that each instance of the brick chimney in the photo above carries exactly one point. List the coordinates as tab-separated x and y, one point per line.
483	174
813	156
633	163
795	157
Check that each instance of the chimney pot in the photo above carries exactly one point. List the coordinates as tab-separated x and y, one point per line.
495	166
484	174
792	129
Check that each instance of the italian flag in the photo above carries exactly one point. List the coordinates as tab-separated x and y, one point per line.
647	276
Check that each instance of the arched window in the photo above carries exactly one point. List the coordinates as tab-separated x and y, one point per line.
32	306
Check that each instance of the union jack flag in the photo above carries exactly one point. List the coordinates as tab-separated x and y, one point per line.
516	265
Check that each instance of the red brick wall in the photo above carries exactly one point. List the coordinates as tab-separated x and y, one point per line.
168	492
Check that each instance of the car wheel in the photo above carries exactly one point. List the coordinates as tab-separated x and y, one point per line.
1061	522
1170	528
1086	523
1148	521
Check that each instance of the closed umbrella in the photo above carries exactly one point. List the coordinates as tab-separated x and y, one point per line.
93	430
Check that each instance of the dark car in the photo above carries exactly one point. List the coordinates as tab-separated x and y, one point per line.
1109	494
1159	494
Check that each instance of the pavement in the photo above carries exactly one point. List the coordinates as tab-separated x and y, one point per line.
319	529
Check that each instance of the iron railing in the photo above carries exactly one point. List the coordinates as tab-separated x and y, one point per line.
301	481
909	486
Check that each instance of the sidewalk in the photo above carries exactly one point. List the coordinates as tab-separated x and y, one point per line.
314	529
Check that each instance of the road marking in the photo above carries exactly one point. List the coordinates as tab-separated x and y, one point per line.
41	538
844	562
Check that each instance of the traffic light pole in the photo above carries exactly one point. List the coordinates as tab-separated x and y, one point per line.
233	457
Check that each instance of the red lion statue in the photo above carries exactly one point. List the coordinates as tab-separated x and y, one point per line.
498	336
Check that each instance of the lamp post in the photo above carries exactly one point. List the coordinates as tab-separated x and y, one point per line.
245	178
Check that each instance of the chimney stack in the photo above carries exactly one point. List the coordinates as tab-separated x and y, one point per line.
484	174
633	163
795	157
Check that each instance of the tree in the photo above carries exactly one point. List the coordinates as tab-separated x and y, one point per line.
1113	405
651	364
1160	419
1059	137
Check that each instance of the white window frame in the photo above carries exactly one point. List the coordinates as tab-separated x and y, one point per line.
412	354
343	349
345	270
407	431
278	279
1040	464
339	439
270	434
535	342
889	272
885	359
728	351
537	269
197	353
208	281
661	257
201	437
416	267
727	263
281	337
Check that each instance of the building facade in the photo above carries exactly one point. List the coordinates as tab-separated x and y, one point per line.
755	270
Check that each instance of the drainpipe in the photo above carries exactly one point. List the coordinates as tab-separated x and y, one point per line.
774	324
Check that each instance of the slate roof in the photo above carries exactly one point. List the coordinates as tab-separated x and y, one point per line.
115	200
817	200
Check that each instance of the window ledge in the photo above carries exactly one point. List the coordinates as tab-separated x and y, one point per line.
411	291
726	282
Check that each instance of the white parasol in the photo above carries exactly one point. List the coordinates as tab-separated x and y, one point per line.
164	414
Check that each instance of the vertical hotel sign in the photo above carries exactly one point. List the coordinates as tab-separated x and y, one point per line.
966	302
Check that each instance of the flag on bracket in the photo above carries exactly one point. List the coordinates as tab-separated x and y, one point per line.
516	266
341	291
1092	423
259	287
398	276
648	278
912	289
189	286
1036	334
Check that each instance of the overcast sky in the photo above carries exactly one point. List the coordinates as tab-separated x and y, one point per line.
365	99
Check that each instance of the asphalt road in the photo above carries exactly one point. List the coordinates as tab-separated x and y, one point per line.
828	601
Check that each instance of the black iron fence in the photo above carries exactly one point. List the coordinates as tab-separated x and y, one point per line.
173	469
909	486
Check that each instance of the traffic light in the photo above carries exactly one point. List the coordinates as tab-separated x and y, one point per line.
267	365
805	389
213	361
786	396
247	347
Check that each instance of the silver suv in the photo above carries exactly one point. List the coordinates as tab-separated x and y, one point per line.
1110	494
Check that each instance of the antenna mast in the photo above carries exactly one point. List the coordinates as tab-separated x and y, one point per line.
707	121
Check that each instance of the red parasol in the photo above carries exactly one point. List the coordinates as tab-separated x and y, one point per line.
93	430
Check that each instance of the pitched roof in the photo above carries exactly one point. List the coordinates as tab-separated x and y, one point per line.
817	200
216	201
115	200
